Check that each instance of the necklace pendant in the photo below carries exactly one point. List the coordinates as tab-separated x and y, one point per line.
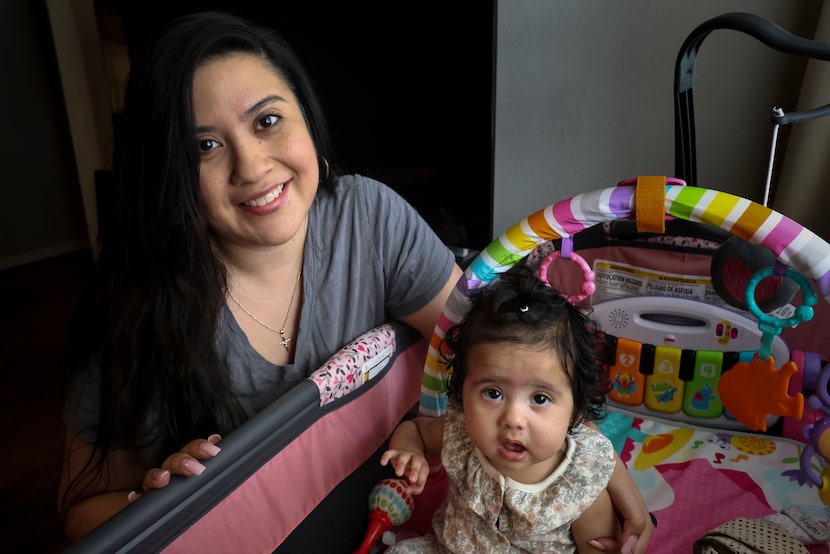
285	340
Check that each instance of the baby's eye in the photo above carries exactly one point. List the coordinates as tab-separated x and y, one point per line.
267	121
492	394
540	399
206	145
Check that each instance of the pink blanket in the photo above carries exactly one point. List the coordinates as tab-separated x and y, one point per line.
694	479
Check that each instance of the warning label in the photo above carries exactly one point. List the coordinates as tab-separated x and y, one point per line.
616	280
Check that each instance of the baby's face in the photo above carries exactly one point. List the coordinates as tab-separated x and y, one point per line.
518	404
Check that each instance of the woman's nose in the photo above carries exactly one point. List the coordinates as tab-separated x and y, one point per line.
250	162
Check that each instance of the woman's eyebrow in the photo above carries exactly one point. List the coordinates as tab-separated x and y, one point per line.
258	106
247	113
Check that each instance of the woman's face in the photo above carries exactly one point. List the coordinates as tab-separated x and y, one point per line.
258	171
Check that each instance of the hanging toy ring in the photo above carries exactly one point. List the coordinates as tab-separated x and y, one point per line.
802	313
588	286
769	325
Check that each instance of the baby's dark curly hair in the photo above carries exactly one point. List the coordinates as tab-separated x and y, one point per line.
518	308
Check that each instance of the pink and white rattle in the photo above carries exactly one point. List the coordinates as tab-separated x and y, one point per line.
566	253
389	505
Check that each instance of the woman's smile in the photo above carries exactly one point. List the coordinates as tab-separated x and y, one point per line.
265	199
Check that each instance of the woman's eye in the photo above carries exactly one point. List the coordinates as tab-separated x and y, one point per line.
492	394
206	145
540	399
267	121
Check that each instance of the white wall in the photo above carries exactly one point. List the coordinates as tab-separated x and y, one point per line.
584	96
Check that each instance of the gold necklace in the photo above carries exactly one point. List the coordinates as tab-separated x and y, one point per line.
284	338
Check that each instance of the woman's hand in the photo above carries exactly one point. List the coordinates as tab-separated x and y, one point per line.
632	509
101	498
185	462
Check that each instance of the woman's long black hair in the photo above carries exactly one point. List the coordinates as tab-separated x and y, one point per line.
519	309
150	318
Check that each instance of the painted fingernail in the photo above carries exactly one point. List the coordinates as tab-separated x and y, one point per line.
210	449
596	544
628	547
194	467
132	496
214	438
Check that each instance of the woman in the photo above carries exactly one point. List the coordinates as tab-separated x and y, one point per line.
239	262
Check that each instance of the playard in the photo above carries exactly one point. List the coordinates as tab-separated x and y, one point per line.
714	308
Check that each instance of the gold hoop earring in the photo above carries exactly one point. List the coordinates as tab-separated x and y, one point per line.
325	163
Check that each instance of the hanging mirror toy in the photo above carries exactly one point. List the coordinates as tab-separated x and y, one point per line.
771	326
751	390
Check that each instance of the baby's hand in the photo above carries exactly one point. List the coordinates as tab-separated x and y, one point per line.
412	467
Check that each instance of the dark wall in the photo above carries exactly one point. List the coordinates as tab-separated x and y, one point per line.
42	214
407	88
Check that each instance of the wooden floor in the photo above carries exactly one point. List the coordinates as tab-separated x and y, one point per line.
39	298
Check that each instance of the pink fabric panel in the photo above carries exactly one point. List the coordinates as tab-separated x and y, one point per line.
568	277
262	511
812	335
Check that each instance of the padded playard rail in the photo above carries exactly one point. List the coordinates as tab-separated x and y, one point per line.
309	453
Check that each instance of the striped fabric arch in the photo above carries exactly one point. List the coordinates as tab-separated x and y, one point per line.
792	244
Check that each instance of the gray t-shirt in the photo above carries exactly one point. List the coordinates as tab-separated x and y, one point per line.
369	257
